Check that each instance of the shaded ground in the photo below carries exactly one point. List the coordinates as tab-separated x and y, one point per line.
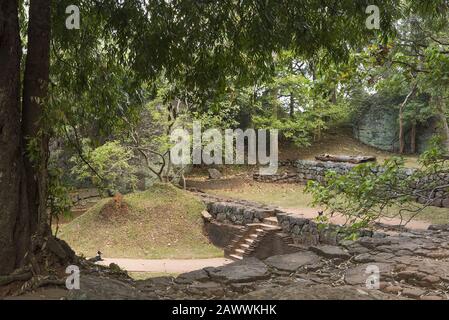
409	265
412	264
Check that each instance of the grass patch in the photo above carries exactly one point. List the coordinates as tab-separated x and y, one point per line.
434	215
161	223
282	195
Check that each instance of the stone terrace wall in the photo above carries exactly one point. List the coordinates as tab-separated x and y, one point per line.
305	231
306	170
316	170
238	212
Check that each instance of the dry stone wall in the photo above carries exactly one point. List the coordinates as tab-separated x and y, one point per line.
306	170
238	212
303	231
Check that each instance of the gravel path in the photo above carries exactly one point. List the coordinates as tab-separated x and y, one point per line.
165	265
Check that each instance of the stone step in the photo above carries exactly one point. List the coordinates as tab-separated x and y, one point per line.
235	257
264	227
273	221
253	236
241	251
270	227
245	246
249	241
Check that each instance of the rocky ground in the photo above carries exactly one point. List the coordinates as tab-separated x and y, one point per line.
412	265
390	263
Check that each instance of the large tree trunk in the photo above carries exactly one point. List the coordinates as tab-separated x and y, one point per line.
35	91
14	230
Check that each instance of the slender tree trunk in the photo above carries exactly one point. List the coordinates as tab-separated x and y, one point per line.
333	99
443	119
401	120
35	91
14	231
413	138
401	131
292	105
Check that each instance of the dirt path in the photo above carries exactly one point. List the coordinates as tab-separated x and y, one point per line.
164	265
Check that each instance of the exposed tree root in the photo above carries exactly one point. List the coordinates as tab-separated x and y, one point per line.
37	282
18	275
46	262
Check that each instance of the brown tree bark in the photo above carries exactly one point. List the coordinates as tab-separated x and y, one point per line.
401	119
413	138
14	231
35	89
443	119
343	158
23	189
292	105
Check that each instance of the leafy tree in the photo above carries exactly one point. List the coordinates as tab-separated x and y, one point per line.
303	98
413	63
111	162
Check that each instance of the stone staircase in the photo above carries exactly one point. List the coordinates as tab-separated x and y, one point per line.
256	221
250	237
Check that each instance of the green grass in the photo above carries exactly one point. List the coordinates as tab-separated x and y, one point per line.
161	223
434	215
282	195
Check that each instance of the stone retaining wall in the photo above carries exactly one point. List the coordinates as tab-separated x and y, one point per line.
303	231
307	232
316	170
238	212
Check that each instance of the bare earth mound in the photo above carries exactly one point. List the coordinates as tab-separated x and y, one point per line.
161	223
